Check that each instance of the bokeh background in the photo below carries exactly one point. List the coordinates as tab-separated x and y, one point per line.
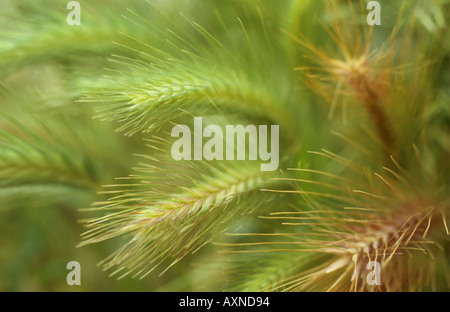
55	158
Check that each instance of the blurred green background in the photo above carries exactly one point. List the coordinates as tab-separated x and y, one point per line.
46	66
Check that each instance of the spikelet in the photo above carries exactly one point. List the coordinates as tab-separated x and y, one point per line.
361	70
399	224
169	209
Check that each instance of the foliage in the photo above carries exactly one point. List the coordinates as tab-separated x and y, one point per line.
86	115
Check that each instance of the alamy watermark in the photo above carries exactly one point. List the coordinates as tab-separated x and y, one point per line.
216	148
74	16
374	16
374	273
74	276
